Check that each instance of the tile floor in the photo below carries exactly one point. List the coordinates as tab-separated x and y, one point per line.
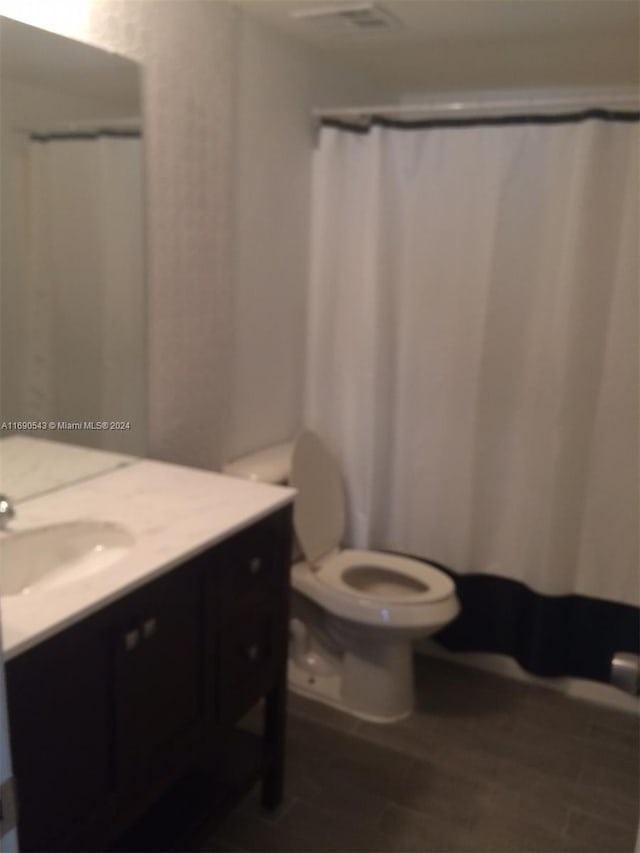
485	764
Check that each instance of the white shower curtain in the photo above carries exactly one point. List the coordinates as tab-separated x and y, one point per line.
84	297
473	345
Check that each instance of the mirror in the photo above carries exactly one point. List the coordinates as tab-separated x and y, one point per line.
72	296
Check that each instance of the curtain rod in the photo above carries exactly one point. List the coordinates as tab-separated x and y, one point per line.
603	99
128	123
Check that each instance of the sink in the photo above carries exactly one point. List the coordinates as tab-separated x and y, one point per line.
56	555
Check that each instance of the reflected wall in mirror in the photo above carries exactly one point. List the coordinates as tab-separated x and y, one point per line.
72	297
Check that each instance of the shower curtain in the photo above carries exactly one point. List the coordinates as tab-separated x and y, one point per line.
84	311
473	364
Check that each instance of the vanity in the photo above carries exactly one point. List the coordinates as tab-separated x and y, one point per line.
127	689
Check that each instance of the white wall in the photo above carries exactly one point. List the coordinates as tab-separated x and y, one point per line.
279	81
228	211
272	162
227	263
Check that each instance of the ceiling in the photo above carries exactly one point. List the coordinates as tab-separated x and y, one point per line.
429	21
42	58
448	43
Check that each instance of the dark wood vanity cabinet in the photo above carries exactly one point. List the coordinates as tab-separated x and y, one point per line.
59	697
140	701
156	665
247	642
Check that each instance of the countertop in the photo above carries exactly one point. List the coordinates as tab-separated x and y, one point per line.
173	512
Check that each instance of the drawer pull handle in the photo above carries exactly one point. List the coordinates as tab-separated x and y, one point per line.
149	627
131	639
253	652
255	565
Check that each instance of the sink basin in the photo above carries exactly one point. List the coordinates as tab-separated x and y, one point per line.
56	555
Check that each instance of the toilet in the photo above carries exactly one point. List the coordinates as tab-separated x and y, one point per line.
355	613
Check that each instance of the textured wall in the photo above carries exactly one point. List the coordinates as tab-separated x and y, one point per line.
272	175
279	81
186	50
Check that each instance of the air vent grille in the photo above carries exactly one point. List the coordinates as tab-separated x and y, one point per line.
359	17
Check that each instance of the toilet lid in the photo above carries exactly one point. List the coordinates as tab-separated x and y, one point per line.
319	509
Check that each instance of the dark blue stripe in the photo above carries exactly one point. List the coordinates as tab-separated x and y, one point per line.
549	635
480	121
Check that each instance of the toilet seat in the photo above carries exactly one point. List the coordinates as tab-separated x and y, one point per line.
422	583
423	613
368	587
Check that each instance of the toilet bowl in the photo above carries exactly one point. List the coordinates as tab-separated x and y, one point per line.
353	646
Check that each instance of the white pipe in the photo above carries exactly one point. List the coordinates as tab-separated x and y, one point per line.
299	640
586	100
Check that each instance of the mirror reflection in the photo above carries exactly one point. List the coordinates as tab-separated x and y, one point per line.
72	297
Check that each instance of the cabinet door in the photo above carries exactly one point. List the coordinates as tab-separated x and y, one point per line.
58	697
158	676
250	654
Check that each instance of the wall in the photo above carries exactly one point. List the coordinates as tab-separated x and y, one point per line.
229	139
186	51
272	162
279	81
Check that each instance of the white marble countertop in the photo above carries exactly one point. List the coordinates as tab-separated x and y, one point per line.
32	466
173	512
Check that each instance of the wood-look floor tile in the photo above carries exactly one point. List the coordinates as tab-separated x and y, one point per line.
300	706
456	747
441	792
617	722
311	741
412	830
611	768
372	768
621	737
336	787
326	829
549	711
485	764
413	742
558	758
600	835
536	805
217	844
615	806
514	832
257	836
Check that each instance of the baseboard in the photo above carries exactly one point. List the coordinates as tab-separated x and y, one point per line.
578	688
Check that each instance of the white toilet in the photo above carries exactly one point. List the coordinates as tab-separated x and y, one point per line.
354	613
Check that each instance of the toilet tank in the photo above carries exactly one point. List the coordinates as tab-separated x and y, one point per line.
270	465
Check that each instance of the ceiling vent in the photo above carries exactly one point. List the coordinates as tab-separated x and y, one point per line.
353	18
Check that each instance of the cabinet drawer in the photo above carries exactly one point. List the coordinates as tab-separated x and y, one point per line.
254	559
250	653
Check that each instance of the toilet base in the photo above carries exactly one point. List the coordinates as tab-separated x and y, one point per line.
373	681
